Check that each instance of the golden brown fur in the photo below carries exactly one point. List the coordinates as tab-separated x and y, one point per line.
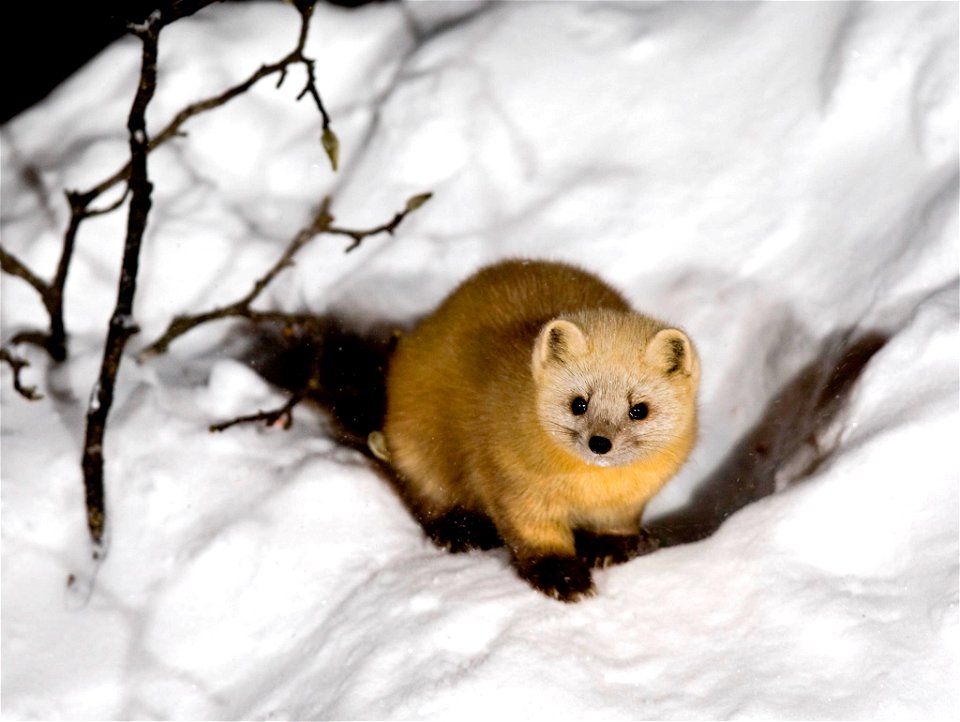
481	429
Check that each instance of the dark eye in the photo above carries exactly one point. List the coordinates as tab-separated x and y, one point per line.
639	411
578	406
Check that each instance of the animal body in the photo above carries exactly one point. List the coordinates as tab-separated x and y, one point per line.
535	408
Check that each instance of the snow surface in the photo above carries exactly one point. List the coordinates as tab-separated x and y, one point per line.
779	179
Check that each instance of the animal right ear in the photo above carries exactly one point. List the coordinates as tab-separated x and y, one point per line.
671	351
559	341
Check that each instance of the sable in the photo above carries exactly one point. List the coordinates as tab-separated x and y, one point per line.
535	408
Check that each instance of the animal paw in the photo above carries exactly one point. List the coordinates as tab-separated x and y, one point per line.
564	578
460	530
604	550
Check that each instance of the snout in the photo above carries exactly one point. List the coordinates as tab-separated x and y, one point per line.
600	444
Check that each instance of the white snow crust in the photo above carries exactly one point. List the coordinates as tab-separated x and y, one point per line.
775	178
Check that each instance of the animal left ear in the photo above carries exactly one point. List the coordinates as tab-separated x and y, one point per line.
671	351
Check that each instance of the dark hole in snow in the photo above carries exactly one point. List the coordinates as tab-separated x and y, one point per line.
784	443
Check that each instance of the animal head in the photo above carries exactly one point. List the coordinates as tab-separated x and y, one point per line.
614	388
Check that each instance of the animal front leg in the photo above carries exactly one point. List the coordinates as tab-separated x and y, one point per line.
603	550
460	530
545	556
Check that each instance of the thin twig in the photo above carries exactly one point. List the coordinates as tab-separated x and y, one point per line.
17	364
285	412
51	296
389	227
15	267
269	418
172	129
322	223
182	324
55	340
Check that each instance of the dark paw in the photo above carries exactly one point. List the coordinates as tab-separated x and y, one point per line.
564	578
604	550
460	530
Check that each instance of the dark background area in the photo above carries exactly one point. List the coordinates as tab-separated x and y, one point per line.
42	44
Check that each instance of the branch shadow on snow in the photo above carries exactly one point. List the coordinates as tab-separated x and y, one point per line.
783	448
340	365
345	369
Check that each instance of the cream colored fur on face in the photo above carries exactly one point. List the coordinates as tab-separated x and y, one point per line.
614	360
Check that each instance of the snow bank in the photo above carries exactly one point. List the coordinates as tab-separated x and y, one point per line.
779	179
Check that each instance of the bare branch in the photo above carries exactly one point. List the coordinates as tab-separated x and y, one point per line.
17	364
12	265
269	418
172	129
182	324
321	223
389	227
121	326
55	341
51	296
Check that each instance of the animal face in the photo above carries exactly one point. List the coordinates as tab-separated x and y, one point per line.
615	388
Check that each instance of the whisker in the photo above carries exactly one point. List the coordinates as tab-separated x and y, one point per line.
558	429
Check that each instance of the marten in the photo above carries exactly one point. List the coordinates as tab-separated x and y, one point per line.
534	408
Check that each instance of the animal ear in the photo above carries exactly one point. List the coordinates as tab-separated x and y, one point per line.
671	351
559	341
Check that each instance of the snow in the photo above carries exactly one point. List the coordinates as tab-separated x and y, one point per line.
781	180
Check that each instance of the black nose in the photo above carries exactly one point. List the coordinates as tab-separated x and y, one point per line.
600	444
